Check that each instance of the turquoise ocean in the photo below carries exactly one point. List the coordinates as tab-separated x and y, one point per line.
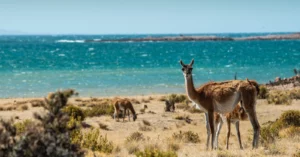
33	65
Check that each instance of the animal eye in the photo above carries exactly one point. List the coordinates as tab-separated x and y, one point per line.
182	69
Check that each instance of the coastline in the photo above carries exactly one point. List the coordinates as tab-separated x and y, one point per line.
292	36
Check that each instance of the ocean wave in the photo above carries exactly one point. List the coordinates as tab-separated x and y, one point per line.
70	41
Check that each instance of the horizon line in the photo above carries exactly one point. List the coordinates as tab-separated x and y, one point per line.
87	34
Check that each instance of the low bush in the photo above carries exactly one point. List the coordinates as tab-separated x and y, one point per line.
94	141
135	137
287	119
186	137
75	112
155	153
263	92
98	110
177	98
278	97
21	127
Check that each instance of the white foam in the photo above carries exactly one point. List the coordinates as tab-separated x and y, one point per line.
70	41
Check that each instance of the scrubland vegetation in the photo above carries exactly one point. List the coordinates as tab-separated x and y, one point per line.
85	127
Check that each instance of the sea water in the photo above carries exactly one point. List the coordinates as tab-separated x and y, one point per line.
32	66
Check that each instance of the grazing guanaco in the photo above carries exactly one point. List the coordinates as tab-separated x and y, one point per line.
125	105
222	98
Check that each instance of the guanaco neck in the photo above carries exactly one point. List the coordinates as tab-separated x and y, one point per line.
132	109
190	89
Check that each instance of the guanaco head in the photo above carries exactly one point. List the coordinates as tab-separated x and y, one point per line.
134	117
187	68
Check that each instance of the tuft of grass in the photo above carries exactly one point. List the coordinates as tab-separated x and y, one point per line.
177	98
279	97
183	106
155	153
135	137
222	153
98	110
297	154
134	101
295	93
287	119
186	137
94	141
263	92
142	111
162	98
103	126
173	146
75	112
291	131
186	118
24	107
144	128
132	147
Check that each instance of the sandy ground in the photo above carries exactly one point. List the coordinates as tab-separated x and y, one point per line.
163	125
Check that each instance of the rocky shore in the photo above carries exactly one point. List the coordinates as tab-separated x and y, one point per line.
293	36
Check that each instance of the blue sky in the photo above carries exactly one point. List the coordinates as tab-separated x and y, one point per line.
151	16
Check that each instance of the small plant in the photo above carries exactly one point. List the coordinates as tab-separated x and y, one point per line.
142	111
103	126
132	147
162	98
21	127
98	110
186	137
96	142
75	112
221	153
287	119
173	146
279	97
263	92
155	153
183	106
135	136
177	98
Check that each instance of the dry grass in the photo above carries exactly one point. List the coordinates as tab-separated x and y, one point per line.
186	137
145	122
279	97
163	125
103	126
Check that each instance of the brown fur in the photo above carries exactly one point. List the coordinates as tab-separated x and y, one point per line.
210	93
238	114
125	104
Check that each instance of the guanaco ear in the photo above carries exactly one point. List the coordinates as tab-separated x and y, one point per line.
182	64
192	62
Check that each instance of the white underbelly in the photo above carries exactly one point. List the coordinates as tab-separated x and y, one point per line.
198	106
228	106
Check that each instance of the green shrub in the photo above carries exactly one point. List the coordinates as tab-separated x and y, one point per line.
187	137
75	112
21	127
263	92
49	137
98	110
278	97
94	141
287	119
155	153
177	98
295	93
